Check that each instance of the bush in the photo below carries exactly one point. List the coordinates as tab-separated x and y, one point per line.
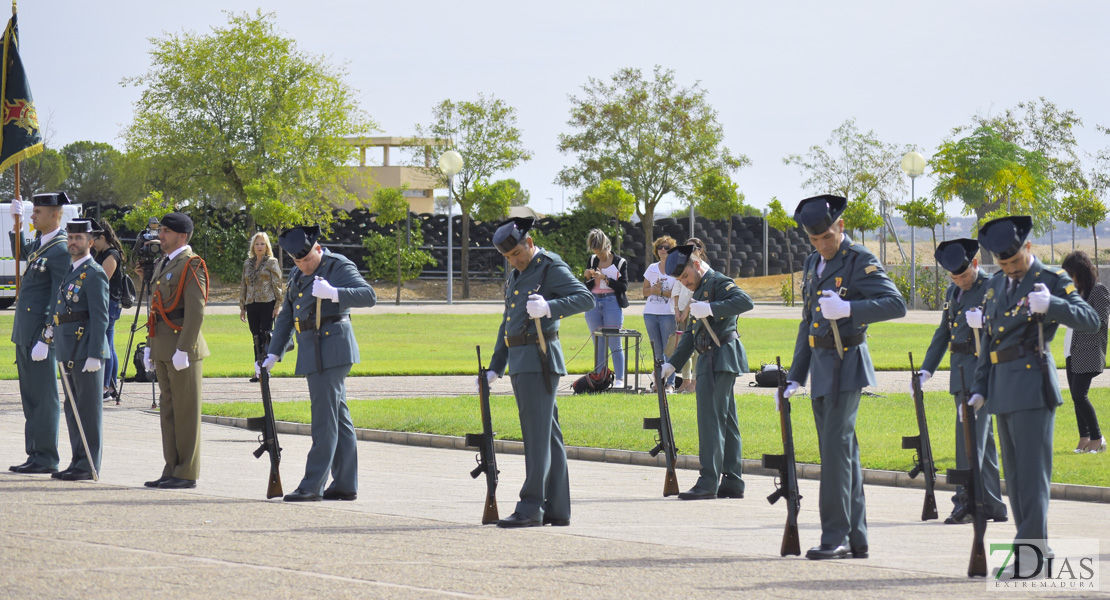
223	248
381	255
930	288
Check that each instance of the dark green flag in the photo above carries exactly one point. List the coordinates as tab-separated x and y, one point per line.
19	126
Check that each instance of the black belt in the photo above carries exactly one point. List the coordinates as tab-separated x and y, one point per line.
309	325
964	348
1014	352
712	346
71	317
526	339
830	342
175	315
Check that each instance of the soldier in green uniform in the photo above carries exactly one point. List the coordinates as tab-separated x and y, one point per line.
844	286
969	284
329	283
540	292
716	303
80	325
32	330
1024	304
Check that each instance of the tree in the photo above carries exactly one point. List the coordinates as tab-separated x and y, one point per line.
857	166
391	206
485	133
521	197
43	172
778	219
860	215
924	213
93	170
993	177
652	136
1085	209
610	199
243	111
719	200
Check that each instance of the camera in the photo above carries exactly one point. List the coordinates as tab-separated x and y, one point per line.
148	246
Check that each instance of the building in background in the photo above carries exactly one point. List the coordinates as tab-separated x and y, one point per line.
419	184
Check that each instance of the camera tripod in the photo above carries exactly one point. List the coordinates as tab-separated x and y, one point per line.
144	294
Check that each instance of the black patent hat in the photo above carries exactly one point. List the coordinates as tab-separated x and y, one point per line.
956	255
510	233
51	199
818	213
1004	236
298	241
677	259
82	226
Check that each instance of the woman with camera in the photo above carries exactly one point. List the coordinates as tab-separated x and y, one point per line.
261	290
607	279
109	254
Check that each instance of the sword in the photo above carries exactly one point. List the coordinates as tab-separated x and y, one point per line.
544	366
67	388
836	337
712	334
319	359
979	344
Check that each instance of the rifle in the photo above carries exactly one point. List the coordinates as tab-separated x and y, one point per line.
920	443
487	458
268	441
972	481
665	427
787	484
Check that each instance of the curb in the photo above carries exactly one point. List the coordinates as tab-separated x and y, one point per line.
1059	491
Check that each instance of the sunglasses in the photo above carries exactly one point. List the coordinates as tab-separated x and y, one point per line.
664	248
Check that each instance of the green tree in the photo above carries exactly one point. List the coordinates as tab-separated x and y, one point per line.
777	218
491	201
924	213
243	111
93	170
521	197
485	133
610	199
391	206
651	135
718	199
154	205
43	172
860	215
568	239
1085	209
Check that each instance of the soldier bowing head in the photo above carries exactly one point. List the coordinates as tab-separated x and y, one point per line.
820	217
302	244
1005	237
684	264
514	242
958	258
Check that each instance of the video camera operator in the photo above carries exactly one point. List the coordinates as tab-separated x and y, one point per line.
148	249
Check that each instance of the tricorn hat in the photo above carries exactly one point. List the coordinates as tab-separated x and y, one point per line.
51	199
677	258
298	241
82	226
1005	235
509	233
956	255
818	213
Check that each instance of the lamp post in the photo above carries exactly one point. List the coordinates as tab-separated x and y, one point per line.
450	163
913	164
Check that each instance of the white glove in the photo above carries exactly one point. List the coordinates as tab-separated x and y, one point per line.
538	307
667	370
40	351
701	310
322	289
833	306
974	318
16	208
147	364
976	401
611	272
180	360
490	378
921	379
91	364
1039	299
49	332
268	364
791	389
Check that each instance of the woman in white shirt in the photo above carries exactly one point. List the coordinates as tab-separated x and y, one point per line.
659	315
607	278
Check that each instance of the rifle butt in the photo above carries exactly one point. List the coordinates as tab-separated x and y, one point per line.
670	484
977	566
273	489
489	514
791	545
929	510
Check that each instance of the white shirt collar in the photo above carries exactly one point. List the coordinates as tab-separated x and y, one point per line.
46	237
78	262
173	255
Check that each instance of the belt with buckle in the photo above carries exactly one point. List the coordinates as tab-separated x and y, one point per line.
303	326
962	348
1013	353
702	349
829	342
524	339
71	317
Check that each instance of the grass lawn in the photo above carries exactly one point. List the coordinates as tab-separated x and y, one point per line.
615	421
400	344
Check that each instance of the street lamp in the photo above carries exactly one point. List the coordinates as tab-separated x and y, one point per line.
913	164
450	163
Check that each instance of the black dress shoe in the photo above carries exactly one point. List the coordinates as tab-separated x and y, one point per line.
16	468
1001	518
173	483
518	520
723	493
555	522
254	380
157	482
960	515
696	493
59	474
35	469
75	475
827	551
859	551
300	495
330	494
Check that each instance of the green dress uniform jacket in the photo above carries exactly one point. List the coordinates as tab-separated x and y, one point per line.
1016	391
84	290
856	275
34	311
179	391
546	488
954	333
334	448
719	443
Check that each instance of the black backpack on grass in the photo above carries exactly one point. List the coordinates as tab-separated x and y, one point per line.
594	383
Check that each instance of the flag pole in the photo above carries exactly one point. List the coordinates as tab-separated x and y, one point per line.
18	238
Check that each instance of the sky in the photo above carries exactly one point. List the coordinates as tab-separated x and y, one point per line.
781	75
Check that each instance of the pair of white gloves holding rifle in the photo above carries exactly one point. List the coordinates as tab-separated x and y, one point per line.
538	308
833	307
320	289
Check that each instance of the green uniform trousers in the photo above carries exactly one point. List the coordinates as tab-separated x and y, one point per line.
179	402
546	489
718	432
841	503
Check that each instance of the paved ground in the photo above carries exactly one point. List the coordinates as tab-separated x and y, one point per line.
414	532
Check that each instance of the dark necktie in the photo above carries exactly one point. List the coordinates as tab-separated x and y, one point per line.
165	261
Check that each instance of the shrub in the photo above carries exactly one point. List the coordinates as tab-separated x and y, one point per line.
381	255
